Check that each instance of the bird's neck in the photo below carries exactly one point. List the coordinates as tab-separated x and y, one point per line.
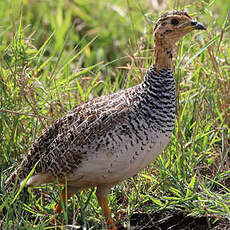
163	56
157	99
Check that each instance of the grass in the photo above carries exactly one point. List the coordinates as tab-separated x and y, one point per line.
56	54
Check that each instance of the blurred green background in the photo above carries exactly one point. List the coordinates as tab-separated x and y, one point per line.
56	54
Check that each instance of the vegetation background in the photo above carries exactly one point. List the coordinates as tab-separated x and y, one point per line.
56	54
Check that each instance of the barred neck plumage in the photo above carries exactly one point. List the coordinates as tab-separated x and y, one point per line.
158	99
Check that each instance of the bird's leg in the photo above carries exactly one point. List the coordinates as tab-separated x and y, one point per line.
103	202
65	196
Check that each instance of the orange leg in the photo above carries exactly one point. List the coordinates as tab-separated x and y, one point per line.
103	202
65	197
58	208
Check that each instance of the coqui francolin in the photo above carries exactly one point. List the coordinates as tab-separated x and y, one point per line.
111	138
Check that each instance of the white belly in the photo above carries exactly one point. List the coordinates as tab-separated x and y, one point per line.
111	165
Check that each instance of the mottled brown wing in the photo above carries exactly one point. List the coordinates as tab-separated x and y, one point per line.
55	149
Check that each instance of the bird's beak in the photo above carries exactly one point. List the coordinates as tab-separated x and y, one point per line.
197	26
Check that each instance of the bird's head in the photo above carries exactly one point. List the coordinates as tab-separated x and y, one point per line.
169	29
173	25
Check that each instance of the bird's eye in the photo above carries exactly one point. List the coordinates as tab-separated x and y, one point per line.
174	22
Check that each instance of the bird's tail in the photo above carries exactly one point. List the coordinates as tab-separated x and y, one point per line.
19	174
13	181
15	178
25	169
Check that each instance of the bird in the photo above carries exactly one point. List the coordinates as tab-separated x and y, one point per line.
111	138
